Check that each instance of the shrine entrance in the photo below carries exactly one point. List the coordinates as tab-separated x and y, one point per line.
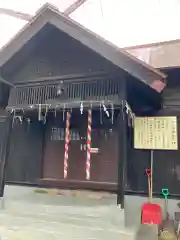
103	156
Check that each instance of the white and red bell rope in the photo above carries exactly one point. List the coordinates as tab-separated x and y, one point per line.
88	158
67	140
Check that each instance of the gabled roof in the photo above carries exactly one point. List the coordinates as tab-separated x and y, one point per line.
119	57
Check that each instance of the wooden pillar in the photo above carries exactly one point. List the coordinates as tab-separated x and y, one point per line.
122	146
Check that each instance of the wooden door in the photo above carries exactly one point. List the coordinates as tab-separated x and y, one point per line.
77	155
53	161
77	148
104	162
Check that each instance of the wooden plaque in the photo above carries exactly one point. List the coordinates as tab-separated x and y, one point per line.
155	133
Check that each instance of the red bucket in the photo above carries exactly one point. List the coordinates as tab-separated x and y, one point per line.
151	214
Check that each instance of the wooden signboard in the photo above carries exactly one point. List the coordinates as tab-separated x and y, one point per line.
155	133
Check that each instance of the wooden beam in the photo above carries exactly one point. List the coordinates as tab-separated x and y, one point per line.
122	147
6	82
16	14
28	17
73	7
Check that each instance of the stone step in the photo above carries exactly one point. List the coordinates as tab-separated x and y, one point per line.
91	216
64	216
59	205
47	225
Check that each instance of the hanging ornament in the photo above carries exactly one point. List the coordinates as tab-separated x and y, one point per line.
13	111
60	88
67	140
81	108
112	113
20	119
39	112
129	113
88	157
105	110
101	121
28	120
45	115
16	117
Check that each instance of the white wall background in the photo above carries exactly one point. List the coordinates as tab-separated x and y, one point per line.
124	22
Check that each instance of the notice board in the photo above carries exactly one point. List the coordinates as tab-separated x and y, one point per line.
158	133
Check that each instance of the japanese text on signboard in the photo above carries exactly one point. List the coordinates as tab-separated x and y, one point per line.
155	133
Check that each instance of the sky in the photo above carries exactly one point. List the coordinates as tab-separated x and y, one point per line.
123	22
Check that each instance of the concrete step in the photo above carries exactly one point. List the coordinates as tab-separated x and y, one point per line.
45	224
87	215
75	206
65	216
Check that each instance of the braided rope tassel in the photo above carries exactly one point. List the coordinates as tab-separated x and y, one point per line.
88	158
67	140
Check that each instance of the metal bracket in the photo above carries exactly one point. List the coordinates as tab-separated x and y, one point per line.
83	147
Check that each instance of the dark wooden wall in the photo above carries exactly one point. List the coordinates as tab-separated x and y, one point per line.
36	154
25	154
5	124
166	169
166	163
56	54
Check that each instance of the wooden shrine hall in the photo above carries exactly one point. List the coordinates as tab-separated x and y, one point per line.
65	120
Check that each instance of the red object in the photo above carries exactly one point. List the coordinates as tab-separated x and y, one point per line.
158	85
88	158
148	172
151	214
67	140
